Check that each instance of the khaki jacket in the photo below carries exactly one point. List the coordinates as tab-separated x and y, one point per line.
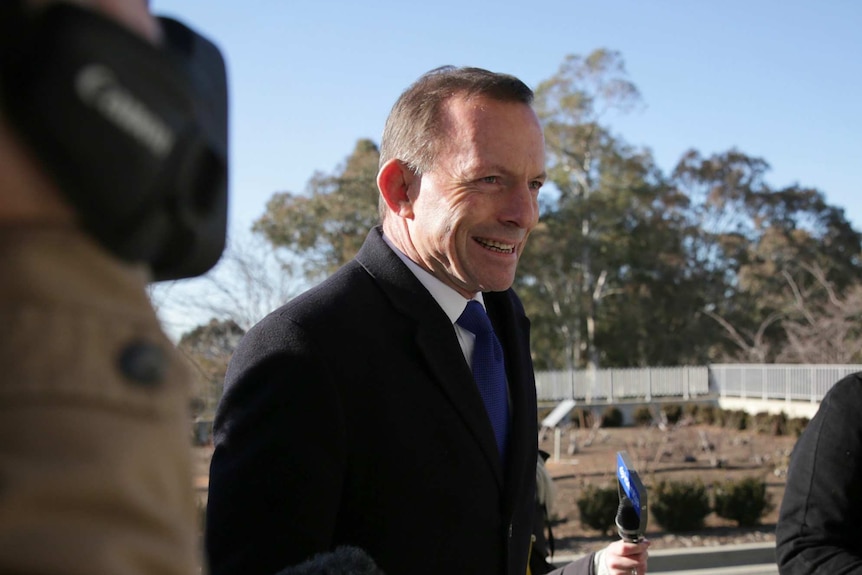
95	459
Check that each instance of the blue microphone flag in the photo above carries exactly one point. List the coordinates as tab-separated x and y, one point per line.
633	497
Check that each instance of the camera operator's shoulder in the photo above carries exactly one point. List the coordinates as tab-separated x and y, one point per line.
95	411
79	327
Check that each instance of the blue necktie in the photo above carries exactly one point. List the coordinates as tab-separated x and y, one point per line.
489	371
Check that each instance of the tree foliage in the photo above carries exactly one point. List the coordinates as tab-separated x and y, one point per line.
606	275
252	278
327	225
761	244
630	265
208	349
570	268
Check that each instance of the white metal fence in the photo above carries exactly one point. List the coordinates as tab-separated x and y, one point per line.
778	381
613	384
767	381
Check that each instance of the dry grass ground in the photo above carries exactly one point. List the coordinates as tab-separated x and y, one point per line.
681	453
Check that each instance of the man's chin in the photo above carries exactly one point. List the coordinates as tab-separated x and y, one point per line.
498	284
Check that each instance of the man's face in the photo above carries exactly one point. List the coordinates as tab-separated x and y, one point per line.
473	210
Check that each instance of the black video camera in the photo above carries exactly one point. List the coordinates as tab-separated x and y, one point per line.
134	134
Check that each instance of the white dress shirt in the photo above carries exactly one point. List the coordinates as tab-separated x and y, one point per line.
451	302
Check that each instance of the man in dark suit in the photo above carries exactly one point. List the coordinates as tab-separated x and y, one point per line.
351	415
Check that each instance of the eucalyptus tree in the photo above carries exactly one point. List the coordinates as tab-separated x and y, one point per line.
326	225
759	244
208	349
609	236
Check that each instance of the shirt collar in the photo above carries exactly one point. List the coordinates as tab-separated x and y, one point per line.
450	301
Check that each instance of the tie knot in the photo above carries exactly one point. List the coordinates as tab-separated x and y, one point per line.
474	319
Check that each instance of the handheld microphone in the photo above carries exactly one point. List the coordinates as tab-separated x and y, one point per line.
342	561
631	517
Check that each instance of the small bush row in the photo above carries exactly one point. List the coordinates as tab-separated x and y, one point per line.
680	506
737	419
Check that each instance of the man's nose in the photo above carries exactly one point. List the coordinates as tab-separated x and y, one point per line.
521	207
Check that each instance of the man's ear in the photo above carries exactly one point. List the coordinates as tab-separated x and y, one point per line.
394	180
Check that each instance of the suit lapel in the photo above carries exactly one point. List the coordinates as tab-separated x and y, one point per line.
436	340
455	379
513	329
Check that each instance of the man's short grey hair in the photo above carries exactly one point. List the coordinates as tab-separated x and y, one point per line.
416	125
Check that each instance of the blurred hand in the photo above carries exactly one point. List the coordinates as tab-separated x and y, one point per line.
622	558
134	14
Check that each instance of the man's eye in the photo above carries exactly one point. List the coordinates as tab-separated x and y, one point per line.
536	185
490	180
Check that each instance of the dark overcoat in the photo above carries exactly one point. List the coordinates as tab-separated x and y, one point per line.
350	417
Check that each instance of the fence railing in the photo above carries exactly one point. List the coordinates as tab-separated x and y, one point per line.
778	381
631	383
766	381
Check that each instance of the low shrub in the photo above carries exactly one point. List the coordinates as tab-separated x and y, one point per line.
761	421
736	419
679	505
598	507
771	423
642	416
690	410
707	414
796	425
744	501
612	417
673	411
778	424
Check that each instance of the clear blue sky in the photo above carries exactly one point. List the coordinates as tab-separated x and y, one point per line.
778	79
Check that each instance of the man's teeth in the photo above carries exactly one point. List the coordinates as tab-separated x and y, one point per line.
496	246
